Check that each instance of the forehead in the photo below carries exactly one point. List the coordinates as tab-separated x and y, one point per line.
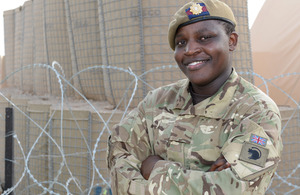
202	26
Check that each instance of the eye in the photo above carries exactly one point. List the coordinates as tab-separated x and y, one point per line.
206	37
180	43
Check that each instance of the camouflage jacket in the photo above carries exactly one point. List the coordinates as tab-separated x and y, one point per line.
239	121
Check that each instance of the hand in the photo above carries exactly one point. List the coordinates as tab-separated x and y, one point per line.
148	164
220	164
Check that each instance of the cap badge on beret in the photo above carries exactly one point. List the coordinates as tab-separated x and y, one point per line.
196	10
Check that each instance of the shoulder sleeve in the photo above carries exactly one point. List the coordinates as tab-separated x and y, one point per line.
128	146
258	149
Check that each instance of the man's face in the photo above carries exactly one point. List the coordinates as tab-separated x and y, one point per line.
202	52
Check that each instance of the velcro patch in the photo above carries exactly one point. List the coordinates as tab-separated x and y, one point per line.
258	140
254	154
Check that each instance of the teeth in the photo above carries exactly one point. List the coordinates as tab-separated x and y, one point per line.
195	63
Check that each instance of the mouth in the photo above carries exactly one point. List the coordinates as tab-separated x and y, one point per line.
196	64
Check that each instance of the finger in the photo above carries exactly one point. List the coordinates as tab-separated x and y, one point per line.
218	163
225	166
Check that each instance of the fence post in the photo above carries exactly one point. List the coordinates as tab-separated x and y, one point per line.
9	151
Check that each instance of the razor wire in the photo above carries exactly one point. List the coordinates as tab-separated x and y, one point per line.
97	178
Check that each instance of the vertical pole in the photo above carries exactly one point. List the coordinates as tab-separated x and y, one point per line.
9	150
50	156
89	180
104	50
142	45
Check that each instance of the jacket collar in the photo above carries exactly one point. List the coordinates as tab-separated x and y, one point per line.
213	107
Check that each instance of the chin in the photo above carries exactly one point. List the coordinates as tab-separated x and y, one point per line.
199	82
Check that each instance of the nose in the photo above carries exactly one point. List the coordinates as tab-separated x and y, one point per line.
192	48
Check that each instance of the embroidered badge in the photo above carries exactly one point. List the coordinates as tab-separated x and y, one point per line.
196	10
254	154
258	140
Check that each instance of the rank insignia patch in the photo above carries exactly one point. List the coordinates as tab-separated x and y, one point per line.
258	140
254	154
196	10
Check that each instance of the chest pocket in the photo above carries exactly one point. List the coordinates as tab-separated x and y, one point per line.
180	139
176	149
193	145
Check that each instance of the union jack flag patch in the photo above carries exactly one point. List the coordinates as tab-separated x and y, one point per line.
258	140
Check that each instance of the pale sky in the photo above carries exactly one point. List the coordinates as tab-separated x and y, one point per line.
253	8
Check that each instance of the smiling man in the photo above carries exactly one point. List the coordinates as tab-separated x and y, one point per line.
212	133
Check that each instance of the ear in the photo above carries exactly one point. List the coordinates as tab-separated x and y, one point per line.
233	40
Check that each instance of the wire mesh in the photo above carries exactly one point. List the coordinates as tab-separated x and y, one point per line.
38	163
109	51
2	71
73	135
9	23
136	38
57	42
20	129
18	39
84	36
64	150
40	75
131	34
27	44
288	170
242	55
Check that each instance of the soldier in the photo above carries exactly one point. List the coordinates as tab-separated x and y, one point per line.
212	133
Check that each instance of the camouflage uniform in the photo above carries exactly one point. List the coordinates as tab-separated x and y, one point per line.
191	137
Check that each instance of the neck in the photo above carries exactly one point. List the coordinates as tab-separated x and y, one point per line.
211	88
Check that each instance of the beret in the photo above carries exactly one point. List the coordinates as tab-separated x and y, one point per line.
199	10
